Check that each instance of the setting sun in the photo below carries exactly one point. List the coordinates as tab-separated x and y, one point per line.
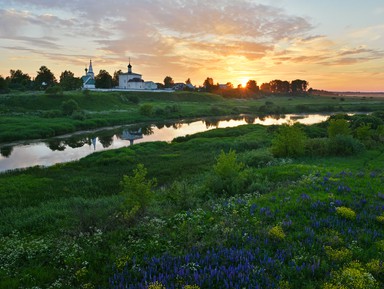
244	82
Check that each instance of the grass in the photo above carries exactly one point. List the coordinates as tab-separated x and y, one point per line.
37	115
66	227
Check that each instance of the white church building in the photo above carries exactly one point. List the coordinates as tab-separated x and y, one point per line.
134	81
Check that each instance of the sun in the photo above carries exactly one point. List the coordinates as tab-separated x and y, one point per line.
243	82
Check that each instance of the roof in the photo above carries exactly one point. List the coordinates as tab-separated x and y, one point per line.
88	80
136	74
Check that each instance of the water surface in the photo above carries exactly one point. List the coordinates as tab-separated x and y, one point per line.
58	150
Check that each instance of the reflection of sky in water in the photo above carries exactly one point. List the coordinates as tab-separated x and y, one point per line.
40	154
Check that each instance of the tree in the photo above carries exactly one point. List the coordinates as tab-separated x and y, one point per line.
68	81
338	127
3	85
115	79
168	82
44	78
279	86
137	192
229	85
289	141
252	85
209	86
265	87
19	80
103	79
188	81
298	86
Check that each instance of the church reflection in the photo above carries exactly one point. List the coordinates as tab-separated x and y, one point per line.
132	135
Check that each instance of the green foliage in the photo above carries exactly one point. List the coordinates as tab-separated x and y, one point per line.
69	82
256	158
352	276
346	213
344	145
54	91
228	174
317	147
103	79
276	233
69	107
338	127
137	192
289	141
146	109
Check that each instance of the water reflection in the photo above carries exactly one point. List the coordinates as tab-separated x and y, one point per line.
77	146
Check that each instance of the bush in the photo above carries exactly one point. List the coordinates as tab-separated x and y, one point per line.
68	107
289	141
317	147
256	158
346	213
228	175
344	145
137	191
146	109
134	99
338	127
54	91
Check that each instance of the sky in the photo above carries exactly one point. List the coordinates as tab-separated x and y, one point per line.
334	45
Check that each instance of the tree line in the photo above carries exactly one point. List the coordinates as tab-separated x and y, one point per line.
17	80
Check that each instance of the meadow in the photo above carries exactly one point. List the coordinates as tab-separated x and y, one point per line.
36	115
248	207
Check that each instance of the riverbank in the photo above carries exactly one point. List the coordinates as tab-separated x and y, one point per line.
222	203
36	115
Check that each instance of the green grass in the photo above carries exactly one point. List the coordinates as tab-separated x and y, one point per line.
66	223
37	115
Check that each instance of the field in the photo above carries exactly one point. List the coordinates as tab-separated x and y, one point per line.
248	207
36	115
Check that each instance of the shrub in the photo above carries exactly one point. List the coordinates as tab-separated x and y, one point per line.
344	145
316	147
146	109
338	255
68	107
346	213
54	91
289	141
134	99
338	127
352	276
137	191
78	115
277	233
256	158
228	175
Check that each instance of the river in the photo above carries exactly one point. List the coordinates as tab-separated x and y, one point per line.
64	149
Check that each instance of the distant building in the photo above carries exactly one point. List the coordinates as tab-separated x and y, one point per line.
183	86
89	77
134	81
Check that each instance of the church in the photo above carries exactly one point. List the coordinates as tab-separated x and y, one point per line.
134	81
89	77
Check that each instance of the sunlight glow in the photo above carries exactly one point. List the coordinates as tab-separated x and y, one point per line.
244	82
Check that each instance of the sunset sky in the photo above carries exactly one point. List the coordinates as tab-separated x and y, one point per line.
334	45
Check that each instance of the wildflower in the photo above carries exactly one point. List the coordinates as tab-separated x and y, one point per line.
346	213
277	233
338	255
156	285
380	219
352	276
